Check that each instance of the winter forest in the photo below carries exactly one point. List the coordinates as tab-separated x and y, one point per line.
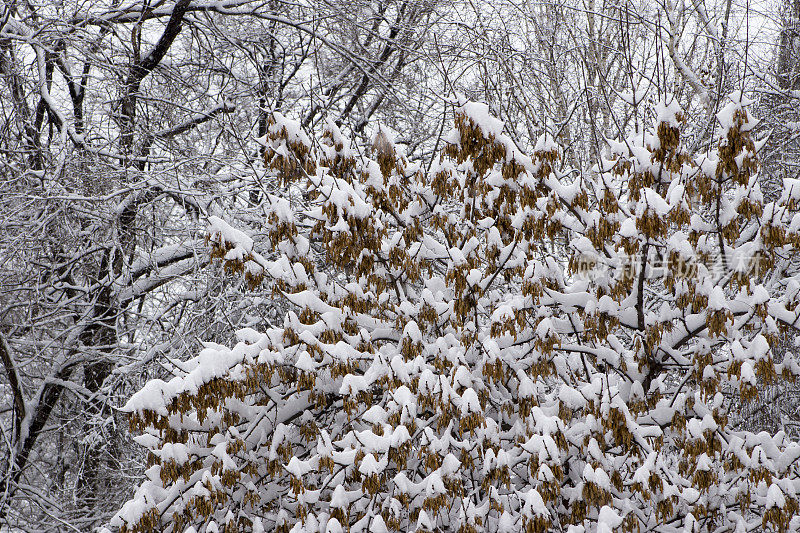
346	266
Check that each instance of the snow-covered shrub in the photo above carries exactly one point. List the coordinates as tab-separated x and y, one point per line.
492	344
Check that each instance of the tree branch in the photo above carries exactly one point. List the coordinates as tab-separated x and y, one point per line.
13	381
141	69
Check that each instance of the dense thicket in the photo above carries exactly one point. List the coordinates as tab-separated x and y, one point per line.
492	344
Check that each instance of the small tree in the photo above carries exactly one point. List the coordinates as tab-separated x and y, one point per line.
491	344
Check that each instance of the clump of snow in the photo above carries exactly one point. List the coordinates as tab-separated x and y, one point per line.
223	231
294	131
545	143
479	114
667	110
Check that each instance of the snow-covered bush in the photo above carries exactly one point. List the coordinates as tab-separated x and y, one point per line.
492	344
